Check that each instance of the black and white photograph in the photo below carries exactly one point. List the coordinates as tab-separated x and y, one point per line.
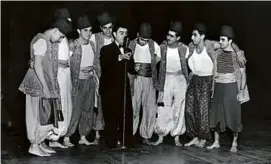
135	82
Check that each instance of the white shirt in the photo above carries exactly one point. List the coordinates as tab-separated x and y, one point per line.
142	53
40	47
173	60
63	50
107	41
121	49
201	64
87	56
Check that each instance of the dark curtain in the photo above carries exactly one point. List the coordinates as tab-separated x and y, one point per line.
21	21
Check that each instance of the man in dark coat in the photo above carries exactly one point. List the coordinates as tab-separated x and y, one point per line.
112	82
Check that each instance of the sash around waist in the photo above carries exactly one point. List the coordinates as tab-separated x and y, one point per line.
63	64
225	78
86	72
143	69
174	73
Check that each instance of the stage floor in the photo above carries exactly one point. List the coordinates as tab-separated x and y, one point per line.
254	148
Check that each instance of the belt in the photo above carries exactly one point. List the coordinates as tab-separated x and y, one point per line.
86	75
143	69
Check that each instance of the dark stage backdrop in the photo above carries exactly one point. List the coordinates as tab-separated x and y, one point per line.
21	21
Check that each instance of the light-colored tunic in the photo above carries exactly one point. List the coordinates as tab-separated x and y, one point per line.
171	116
64	80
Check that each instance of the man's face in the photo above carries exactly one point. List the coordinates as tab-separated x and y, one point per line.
172	37
224	42
196	37
85	33
57	36
143	41
120	34
107	29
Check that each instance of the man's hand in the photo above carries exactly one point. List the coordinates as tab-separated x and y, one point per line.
46	92
241	95
125	56
137	67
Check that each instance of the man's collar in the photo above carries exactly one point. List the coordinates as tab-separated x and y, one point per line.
117	43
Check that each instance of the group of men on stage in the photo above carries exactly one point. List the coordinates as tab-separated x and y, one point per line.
101	82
